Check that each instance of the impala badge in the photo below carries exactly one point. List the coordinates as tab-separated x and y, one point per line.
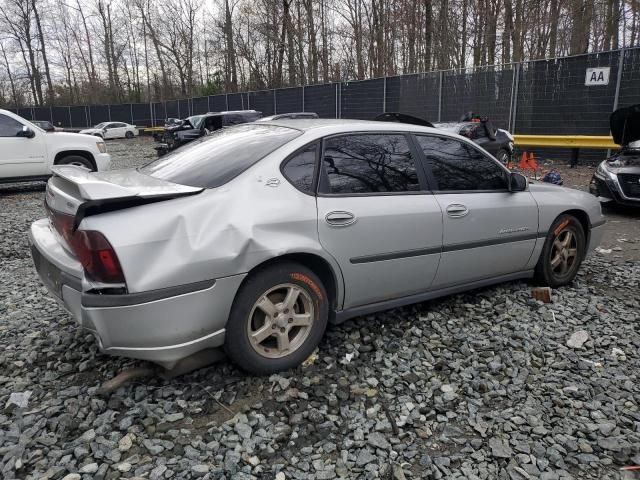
512	230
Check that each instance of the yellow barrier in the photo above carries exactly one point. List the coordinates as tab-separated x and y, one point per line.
566	141
153	129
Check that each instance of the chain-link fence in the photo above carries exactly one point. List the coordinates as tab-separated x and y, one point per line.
536	97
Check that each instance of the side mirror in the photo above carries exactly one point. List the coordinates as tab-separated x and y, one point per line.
26	132
517	182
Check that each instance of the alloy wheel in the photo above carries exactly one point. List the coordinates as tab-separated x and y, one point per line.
564	252
280	320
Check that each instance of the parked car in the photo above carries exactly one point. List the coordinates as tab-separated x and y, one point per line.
46	125
198	125
172	122
258	235
617	179
28	153
496	141
109	130
293	116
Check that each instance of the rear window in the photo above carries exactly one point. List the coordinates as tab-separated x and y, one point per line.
215	159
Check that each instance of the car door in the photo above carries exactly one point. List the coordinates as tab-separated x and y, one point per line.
20	156
376	216
111	131
488	231
120	130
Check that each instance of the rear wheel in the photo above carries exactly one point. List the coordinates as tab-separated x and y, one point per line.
129	134
278	318
76	160
562	252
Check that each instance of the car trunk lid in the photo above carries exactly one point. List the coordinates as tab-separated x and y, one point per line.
74	193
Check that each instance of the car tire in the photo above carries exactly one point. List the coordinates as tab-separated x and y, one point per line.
76	160
282	305
562	253
129	134
503	156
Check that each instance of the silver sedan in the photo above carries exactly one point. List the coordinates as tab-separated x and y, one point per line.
258	236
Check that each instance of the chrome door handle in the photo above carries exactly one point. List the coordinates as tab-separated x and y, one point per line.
457	210
340	218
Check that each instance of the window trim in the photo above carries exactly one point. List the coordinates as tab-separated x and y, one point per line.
323	180
432	179
288	158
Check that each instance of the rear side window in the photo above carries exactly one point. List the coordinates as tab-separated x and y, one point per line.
369	163
215	159
457	166
300	168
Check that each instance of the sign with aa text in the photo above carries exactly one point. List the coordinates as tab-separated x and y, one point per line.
597	76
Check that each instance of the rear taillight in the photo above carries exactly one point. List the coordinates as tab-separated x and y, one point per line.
97	256
93	250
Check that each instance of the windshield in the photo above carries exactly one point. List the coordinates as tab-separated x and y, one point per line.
101	125
195	120
215	159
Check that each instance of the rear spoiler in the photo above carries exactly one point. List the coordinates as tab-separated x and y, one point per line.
91	186
99	195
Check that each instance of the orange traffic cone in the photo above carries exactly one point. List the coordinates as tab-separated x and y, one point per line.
523	162
533	165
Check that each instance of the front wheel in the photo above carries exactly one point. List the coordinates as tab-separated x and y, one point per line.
562	252
76	160
129	134
278	318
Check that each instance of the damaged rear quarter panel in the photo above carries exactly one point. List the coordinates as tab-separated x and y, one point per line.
220	232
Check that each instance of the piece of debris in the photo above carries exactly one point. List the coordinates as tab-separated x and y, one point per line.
311	359
542	293
578	339
347	358
617	353
18	399
604	251
124	377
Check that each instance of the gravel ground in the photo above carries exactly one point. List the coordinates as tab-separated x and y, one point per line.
490	385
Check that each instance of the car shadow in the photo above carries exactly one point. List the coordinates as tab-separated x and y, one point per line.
14	188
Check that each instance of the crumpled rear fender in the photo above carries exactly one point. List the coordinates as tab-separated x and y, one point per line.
217	233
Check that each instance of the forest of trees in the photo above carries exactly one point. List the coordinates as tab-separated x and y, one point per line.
66	52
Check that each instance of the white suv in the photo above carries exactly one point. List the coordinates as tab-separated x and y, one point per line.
27	152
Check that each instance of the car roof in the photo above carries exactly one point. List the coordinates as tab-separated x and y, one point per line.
330	125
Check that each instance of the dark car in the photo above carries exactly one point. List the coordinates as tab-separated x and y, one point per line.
496	141
46	125
198	125
617	179
290	116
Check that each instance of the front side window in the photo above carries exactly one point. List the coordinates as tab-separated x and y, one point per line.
300	168
215	159
457	166
369	163
9	127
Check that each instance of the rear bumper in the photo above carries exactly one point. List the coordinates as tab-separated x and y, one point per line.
161	326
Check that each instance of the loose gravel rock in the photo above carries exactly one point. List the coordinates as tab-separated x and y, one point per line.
476	386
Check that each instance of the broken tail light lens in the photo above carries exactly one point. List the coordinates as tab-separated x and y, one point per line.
93	250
